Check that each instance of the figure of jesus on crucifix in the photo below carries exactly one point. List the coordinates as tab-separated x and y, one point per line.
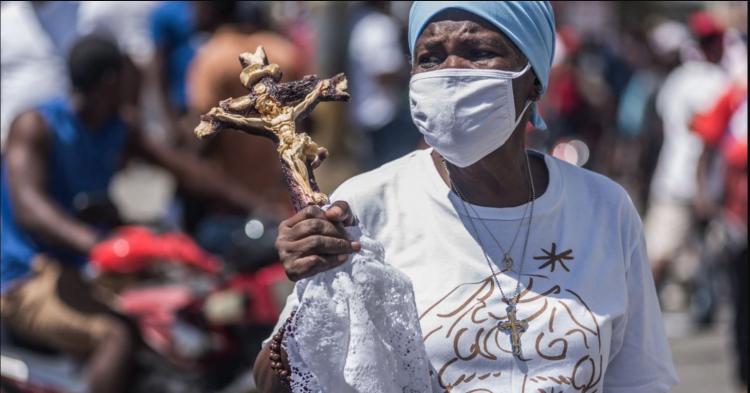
272	110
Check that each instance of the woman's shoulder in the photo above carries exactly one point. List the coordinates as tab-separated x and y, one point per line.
604	199
585	184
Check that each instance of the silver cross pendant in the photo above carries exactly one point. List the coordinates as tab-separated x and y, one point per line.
514	328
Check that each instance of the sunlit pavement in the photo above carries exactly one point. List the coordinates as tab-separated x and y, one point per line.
704	359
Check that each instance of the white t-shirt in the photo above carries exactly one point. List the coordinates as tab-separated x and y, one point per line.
587	294
36	41
374	50
32	64
691	88
125	21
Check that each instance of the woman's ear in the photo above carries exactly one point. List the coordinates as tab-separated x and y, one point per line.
536	93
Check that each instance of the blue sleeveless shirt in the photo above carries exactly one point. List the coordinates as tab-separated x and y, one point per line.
80	160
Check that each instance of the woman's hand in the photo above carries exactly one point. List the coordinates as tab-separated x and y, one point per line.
314	240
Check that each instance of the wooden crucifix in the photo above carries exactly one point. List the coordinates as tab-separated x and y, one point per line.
272	110
515	328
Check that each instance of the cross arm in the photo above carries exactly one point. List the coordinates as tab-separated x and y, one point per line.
218	119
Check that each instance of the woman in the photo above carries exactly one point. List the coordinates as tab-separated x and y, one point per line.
529	274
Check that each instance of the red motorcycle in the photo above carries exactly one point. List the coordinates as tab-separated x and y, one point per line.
201	320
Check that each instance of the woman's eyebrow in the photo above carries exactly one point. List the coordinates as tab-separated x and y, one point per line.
472	39
431	43
484	39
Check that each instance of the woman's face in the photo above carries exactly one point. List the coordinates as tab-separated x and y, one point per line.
458	39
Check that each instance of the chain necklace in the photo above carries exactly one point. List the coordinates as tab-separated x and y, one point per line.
507	257
513	326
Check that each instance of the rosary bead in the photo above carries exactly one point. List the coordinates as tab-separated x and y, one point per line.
279	368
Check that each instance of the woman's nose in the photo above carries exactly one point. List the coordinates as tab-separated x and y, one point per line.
455	61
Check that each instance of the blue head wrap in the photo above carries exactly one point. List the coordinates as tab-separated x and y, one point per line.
529	24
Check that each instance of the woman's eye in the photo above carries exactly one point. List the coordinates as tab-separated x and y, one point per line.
482	54
428	61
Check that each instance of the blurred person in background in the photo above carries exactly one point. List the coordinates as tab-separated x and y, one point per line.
378	73
37	35
59	154
250	161
127	22
295	20
652	53
563	104
723	129
588	78
602	75
178	29
692	87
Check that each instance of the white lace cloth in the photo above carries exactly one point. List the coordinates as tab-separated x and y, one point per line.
356	329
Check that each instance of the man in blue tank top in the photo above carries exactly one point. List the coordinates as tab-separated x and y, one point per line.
58	152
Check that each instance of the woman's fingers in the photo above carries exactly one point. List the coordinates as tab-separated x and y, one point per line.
314	240
316	226
340	212
313	264
324	245
304	214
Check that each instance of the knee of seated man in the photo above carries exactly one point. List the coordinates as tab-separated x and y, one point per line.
110	330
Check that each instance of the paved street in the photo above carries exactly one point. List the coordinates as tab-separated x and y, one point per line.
703	360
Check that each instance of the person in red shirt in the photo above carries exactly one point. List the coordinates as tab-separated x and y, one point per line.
723	129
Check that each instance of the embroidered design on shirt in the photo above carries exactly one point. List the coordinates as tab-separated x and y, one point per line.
552	258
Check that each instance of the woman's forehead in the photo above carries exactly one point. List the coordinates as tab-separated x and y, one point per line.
455	20
464	23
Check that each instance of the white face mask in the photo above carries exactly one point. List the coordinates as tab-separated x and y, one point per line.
465	114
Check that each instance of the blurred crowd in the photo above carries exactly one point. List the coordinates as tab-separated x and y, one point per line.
651	94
